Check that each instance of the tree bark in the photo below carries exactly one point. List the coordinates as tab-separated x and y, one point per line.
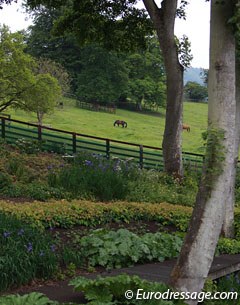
228	223
164	20
197	253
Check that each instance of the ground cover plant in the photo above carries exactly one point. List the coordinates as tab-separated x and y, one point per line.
122	248
33	298
111	290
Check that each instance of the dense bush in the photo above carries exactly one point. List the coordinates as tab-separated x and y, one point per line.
26	253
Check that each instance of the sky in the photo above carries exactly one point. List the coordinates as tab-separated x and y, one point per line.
196	27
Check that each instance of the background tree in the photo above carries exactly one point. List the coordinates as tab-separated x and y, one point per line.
16	69
103	77
21	84
204	76
147	80
63	50
56	70
198	250
195	91
43	96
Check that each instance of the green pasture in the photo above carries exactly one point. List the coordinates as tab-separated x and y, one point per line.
142	128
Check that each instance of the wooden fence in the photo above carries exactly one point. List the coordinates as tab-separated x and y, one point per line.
62	141
96	107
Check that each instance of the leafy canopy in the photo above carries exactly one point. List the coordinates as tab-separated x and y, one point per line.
20	84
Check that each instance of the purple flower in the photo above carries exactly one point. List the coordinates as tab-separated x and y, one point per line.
20	232
6	234
29	247
53	248
88	162
41	253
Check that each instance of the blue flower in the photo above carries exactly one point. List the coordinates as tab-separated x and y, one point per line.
41	253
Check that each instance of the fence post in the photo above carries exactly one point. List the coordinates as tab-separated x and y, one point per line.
141	156
74	142
3	128
39	132
107	148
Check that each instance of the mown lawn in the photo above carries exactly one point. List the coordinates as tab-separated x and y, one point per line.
142	128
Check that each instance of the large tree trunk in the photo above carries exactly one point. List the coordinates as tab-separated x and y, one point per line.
197	253
164	20
228	223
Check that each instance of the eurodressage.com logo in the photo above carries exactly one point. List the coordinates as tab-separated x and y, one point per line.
174	295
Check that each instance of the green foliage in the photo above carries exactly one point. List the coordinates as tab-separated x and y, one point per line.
35	256
155	186
93	177
214	156
111	290
20	86
116	249
28	146
229	246
5	181
33	298
16	75
228	284
66	214
56	70
184	50
195	91
119	25
103	76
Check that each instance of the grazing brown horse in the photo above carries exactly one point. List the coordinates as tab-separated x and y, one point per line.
119	122
187	127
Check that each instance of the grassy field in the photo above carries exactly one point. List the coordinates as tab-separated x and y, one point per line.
142	129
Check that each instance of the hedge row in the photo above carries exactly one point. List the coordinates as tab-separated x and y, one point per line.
65	214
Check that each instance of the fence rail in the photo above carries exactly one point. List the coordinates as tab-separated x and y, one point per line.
61	141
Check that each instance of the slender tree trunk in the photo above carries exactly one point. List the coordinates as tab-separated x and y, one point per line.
164	20
40	115
197	253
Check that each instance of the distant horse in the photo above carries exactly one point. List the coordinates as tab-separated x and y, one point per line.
119	122
187	127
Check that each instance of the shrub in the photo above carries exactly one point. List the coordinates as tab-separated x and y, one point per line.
26	253
67	214
229	246
5	181
154	186
28	146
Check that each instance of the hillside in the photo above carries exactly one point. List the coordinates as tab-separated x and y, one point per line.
142	128
193	75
